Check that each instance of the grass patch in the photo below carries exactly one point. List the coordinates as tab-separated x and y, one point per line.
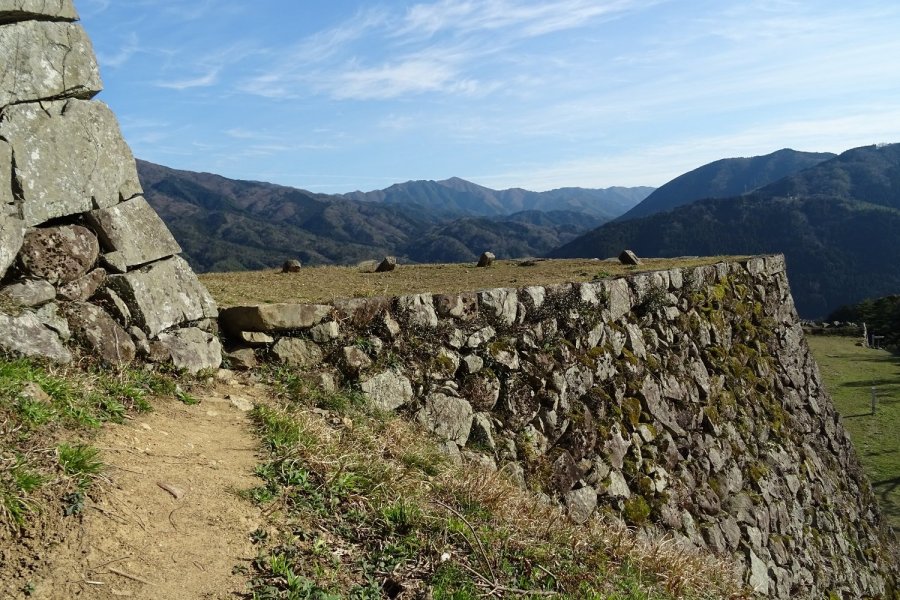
366	506
324	284
849	372
48	415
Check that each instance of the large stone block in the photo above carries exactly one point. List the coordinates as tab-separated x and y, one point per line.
47	60
135	231
19	10
447	416
388	390
25	335
100	334
12	233
69	158
273	317
190	349
163	295
59	254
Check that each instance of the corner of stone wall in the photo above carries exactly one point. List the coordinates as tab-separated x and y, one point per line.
684	400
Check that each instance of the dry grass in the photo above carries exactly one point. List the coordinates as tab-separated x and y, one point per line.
324	284
368	502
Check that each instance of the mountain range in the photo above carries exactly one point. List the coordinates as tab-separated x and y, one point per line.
457	197
837	222
725	178
224	224
835	217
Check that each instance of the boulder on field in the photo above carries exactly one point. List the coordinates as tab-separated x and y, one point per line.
134	231
70	158
292	266
25	335
59	254
486	260
100	334
388	264
388	390
30	292
47	59
163	295
273	317
84	287
190	349
629	258
19	10
367	266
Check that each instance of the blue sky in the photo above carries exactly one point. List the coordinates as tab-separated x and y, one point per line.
339	95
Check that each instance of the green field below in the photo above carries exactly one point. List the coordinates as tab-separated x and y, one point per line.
850	372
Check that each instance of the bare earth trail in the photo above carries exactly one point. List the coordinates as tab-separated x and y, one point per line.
141	541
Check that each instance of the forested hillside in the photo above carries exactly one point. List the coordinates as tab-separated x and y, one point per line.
725	178
837	223
228	225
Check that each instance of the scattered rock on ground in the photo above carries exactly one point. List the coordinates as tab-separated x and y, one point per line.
388	264
486	260
629	258
292	266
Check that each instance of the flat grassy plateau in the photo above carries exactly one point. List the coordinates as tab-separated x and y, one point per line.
324	284
850	372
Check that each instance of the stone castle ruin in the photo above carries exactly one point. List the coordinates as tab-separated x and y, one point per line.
683	400
83	256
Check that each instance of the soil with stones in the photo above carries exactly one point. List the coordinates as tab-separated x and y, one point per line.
168	523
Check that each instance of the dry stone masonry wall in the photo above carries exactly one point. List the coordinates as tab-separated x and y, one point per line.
82	254
683	400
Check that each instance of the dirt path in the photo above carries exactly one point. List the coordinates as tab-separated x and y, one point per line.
141	541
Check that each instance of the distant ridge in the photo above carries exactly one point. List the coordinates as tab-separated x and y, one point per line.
837	222
458	197
227	225
725	178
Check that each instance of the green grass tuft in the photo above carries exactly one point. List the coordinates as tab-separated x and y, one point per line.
49	406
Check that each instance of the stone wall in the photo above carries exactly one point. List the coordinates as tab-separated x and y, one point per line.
684	400
82	254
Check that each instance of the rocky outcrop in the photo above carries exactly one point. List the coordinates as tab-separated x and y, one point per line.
80	250
683	400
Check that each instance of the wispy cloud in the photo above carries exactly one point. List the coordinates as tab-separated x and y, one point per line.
130	46
528	18
435	48
205	80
